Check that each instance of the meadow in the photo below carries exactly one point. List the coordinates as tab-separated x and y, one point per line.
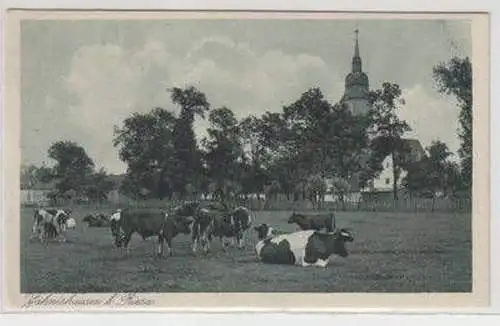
391	252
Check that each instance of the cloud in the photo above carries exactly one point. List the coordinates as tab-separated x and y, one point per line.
109	82
431	117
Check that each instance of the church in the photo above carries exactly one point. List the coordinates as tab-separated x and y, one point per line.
356	97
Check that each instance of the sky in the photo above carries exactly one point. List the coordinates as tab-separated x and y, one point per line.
81	78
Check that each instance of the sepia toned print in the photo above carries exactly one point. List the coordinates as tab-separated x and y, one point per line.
239	160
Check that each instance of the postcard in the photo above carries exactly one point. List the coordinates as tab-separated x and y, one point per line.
245	161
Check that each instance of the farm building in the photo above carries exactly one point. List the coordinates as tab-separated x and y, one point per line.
35	194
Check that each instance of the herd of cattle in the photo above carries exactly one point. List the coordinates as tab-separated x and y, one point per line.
204	222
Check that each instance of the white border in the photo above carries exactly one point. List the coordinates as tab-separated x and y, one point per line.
380	5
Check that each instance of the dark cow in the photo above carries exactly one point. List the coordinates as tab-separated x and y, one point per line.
187	209
313	221
303	248
216	221
147	224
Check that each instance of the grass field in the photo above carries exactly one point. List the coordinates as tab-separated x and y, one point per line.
392	252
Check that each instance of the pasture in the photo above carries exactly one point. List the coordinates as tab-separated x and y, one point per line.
391	252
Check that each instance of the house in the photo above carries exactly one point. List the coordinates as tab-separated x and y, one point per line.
35	194
384	181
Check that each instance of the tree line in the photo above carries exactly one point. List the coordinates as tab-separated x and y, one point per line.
291	152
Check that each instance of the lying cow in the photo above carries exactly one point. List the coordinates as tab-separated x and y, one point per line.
96	220
313	221
49	223
303	248
147	224
218	222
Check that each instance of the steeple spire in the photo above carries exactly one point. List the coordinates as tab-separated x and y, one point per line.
356	60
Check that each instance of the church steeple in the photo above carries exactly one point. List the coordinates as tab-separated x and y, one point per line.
356	59
356	83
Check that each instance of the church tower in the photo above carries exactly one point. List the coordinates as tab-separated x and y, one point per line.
356	85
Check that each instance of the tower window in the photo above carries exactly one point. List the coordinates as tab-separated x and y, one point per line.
387	181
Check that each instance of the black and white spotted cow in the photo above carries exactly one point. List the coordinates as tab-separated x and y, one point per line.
234	225
211	221
49	223
302	248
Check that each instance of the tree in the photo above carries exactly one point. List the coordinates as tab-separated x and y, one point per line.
340	187
434	174
146	144
305	132
73	167
317	189
29	176
98	186
256	158
187	163
223	149
343	140
455	77
387	129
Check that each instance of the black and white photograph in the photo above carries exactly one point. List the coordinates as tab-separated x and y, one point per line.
233	155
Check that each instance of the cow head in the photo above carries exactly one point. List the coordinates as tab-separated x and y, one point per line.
263	231
340	237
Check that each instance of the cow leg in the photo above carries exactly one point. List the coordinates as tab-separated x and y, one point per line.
206	244
195	246
241	237
126	241
160	245
223	243
62	238
169	247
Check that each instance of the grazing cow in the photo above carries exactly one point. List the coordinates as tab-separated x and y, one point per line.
303	248
313	221
48	223
147	224
213	221
234	227
201	230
